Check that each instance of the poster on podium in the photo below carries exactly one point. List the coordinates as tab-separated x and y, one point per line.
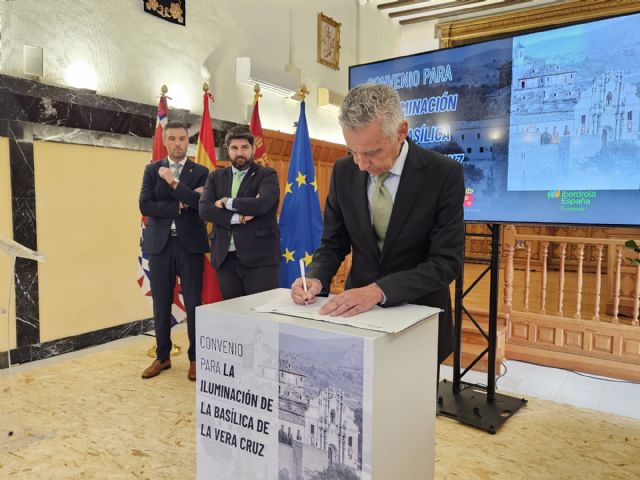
281	401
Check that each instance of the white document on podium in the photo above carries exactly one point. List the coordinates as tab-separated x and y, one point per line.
389	320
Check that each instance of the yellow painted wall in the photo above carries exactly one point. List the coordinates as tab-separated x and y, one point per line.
88	228
6	231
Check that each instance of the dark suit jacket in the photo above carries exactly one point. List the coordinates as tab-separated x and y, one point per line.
161	204
423	247
257	242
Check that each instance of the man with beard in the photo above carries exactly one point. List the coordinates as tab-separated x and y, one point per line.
241	201
175	239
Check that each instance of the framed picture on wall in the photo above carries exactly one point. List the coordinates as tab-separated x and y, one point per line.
328	42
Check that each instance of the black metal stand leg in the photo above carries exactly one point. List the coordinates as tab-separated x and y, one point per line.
471	404
493	311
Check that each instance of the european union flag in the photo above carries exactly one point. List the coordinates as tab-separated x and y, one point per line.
300	218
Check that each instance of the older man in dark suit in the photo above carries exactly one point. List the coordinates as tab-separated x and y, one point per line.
241	201
398	208
175	239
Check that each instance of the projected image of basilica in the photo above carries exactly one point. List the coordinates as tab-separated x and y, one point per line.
568	124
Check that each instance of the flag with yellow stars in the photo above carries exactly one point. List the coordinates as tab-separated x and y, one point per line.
300	218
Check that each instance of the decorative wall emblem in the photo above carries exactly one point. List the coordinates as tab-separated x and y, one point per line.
170	10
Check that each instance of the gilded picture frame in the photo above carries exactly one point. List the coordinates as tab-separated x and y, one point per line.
478	29
328	42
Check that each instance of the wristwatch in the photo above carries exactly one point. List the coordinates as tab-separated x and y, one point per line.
224	201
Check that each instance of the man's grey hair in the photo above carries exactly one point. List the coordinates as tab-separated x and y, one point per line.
369	102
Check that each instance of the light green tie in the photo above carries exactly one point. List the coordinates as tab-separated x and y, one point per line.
235	185
381	205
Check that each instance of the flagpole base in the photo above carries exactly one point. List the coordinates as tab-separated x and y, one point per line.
175	351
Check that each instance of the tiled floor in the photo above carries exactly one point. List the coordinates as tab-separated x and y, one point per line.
597	393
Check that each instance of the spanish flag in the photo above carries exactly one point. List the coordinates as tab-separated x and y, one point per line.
255	127
206	156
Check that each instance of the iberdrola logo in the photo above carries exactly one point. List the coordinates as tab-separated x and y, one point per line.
553	194
468	197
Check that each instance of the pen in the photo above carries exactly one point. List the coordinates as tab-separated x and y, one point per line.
304	280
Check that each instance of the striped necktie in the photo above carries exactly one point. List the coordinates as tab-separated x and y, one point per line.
176	168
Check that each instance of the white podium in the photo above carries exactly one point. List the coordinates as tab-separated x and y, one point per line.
282	398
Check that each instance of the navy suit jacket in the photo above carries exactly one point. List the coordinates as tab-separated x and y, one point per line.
424	244
257	242
161	204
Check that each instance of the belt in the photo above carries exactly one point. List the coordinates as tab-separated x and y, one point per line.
173	233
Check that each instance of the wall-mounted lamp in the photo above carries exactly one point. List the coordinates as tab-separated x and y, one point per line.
81	75
329	100
179	98
205	73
